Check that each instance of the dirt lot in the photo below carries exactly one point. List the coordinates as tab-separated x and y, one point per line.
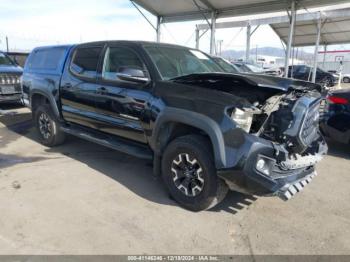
81	198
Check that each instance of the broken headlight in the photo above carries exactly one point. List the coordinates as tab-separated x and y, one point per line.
243	119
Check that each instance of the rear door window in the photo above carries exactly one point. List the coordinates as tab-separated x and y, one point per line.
85	61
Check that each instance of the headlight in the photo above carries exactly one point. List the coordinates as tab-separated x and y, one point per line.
264	165
243	119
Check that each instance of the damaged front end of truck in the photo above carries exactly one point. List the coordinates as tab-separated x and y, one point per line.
277	142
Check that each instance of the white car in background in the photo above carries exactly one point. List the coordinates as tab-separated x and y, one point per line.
345	77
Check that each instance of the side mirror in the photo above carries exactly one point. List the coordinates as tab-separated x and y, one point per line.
132	75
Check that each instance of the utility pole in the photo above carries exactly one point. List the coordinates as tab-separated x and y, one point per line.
220	46
197	38
7	44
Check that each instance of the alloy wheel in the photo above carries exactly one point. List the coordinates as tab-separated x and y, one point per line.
187	175
45	126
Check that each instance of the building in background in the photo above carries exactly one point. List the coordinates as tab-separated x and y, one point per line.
334	60
267	61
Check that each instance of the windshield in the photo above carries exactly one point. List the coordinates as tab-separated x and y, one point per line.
254	68
5	60
173	62
227	66
320	71
243	68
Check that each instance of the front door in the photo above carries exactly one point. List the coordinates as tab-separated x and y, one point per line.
121	104
79	86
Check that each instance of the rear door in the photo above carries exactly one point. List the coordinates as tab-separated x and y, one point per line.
79	85
121	104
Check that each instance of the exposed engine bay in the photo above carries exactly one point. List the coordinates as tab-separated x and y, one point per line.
290	119
283	111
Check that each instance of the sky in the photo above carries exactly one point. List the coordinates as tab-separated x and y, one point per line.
31	23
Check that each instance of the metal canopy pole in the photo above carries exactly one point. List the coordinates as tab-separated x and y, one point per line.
159	21
247	48
212	33
324	55
319	21
197	38
290	38
158	30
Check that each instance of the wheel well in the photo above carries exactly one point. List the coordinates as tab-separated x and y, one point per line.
37	100
167	133
170	131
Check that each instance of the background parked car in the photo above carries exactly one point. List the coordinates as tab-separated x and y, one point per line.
345	77
304	72
335	122
274	71
249	68
226	65
10	80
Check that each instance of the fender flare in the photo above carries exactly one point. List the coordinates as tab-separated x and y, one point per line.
51	99
194	119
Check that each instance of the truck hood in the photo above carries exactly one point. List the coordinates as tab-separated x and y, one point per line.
223	80
11	69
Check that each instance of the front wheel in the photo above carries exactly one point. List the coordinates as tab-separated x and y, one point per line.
189	173
48	127
346	79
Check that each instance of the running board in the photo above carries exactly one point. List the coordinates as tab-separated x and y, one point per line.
290	190
119	144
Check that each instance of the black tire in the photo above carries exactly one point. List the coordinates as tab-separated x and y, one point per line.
198	195
48	127
346	79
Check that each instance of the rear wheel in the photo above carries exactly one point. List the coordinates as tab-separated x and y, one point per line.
48	127
346	79
189	173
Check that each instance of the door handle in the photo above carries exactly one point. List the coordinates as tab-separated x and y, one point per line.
101	90
67	86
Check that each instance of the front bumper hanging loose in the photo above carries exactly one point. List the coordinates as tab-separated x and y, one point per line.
289	190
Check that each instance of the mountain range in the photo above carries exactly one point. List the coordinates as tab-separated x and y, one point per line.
268	51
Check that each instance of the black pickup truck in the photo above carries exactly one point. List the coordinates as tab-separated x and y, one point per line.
10	77
206	130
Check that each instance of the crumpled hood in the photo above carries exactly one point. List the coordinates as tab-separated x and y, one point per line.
11	69
266	81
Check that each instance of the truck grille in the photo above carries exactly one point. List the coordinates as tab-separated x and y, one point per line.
309	130
9	79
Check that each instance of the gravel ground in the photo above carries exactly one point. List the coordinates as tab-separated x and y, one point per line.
81	198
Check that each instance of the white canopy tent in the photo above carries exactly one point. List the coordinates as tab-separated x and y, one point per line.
324	28
189	10
335	28
310	29
168	11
